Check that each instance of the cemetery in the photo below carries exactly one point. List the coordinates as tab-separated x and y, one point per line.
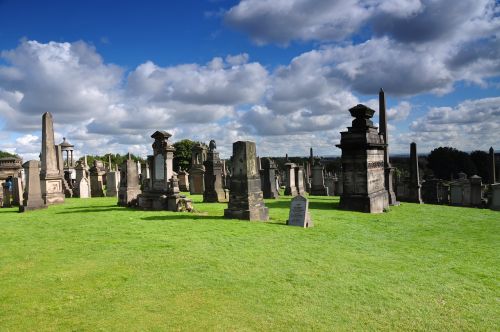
137	244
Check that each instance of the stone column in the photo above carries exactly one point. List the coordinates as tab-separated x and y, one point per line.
388	170
32	197
17	192
492	166
299	180
214	188
414	189
318	187
51	163
129	184
290	188
268	178
246	200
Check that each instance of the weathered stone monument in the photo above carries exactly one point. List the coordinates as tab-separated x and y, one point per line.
112	184
433	191
183	177
388	169
299	180
492	170
97	178
51	178
299	212
460	191
17	191
267	178
32	197
318	187
214	188
495	197
82	184
414	194
246	198
129	184
290	187
476	191
363	164
197	171
7	196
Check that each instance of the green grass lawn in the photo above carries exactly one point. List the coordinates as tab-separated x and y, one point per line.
90	265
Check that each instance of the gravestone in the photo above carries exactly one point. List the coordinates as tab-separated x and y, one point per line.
183	177
112	184
32	197
457	193
290	187
129	184
491	170
363	164
197	171
83	188
330	185
299	212
97	178
246	198
414	194
17	191
495	197
51	177
7	196
318	187
214	188
299	180
476	191
432	191
81	172
268	178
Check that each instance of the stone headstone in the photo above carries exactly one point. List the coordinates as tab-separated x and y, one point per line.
268	178
17	191
290	186
81	172
318	187
457	193
299	212
495	197
112	184
197	171
214	188
246	200
32	197
363	164
51	178
129	184
83	188
476	191
7	196
183	177
299	180
330	184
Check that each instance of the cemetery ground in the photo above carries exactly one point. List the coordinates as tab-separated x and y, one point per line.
91	265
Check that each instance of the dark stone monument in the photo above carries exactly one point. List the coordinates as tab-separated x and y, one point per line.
268	178
495	197
363	169
112	183
318	187
492	170
414	194
197	171
51	177
299	212
388	169
433	191
246	199
129	184
7	196
32	197
214	188
17	191
476	191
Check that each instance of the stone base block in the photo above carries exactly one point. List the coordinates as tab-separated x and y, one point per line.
373	203
221	196
290	191
128	197
261	214
319	191
33	205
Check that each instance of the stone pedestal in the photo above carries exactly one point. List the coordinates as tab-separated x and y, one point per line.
363	165
414	194
495	197
246	198
32	197
318	187
112	184
290	187
267	178
129	184
214	188
183	177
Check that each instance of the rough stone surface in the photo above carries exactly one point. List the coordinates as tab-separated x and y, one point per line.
318	187
299	212
32	197
495	197
81	171
290	186
476	191
414	194
299	180
214	188
17	191
363	164
246	198
183	177
129	184
7	196
268	178
83	188
197	171
388	169
112	184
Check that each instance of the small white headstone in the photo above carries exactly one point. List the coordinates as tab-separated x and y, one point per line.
84	188
299	212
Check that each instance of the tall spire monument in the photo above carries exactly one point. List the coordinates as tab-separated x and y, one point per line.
50	174
388	170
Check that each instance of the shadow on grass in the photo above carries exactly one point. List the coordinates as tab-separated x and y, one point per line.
322	205
14	209
92	209
176	216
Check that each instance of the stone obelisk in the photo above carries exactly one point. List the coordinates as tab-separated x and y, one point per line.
50	175
414	190
388	170
492	166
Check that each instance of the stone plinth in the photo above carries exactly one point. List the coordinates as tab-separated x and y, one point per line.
183	177
246	200
363	165
129	184
267	178
495	197
299	180
318	187
112	184
32	197
214	188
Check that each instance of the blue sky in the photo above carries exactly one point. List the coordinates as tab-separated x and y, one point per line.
282	73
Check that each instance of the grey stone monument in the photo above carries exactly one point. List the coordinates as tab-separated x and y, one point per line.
17	191
318	187
299	180
492	170
183	177
290	187
81	172
214	188
97	178
197	171
414	194
112	184
7	196
388	169
476	191
246	198
32	197
51	178
129	184
299	212
363	169
268	178
495	197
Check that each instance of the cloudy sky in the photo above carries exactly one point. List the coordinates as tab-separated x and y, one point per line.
280	72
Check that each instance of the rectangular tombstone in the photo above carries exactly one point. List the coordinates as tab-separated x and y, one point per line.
112	184
318	187
299	212
32	197
268	178
183	181
214	188
96	185
129	184
330	185
290	187
246	200
476	191
17	191
83	188
7	196
457	193
197	181
495	197
299	180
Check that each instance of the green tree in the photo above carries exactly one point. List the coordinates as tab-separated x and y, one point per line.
4	154
182	154
447	162
481	161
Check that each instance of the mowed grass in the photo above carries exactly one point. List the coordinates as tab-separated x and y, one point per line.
90	265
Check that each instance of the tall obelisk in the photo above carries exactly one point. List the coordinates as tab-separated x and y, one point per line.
492	166
50	176
388	170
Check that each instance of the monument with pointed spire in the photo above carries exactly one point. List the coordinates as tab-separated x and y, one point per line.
388	170
492	166
51	177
